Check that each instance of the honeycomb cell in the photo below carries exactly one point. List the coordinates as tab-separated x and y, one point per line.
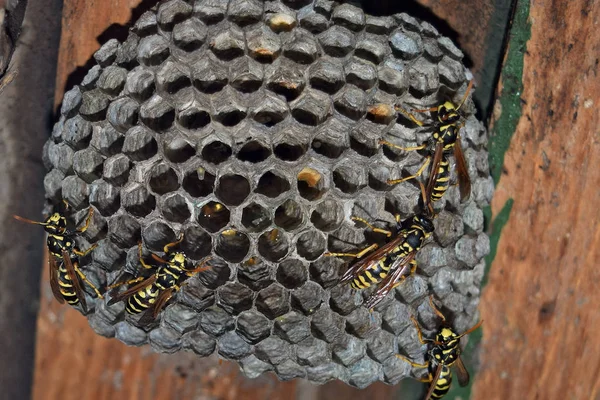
349	178
108	255
197	244
285	78
106	54
199	183
311	108
216	321
255	273
163	179
314	22
272	184
370	49
136	199
75	191
88	165
200	343
263	45
424	78
153	50
116	170
94	105
281	22
289	215
123	114
156	235
327	75
327	325
193	115
195	295
245	12
310	245
270	109
124	230
311	184
171	12
273	301
232	189
308	298
324	271
210	11
253	326
256	217
217	275
406	45
327	216
393	80
190	34
337	41
301	48
380	346
177	149
171	78
228	44
112	80
235	298
209	75
331	139
139	144
232	245
349	16
77	133
292	327
292	273
351	102
312	352
105	197
273	350
175	208
247	74
273	245
53	185
216	152
140	84
360	73
157	113
228	109
213	216
254	152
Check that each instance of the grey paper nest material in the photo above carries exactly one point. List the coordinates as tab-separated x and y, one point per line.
264	108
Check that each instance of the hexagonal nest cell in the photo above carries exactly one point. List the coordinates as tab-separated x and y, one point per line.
253	128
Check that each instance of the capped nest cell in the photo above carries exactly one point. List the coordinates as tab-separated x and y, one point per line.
253	128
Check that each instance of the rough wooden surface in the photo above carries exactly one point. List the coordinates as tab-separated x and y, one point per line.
540	305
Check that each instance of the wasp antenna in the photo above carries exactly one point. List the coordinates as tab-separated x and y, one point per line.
29	221
474	327
465	95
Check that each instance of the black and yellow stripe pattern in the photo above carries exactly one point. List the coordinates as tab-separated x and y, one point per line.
442	385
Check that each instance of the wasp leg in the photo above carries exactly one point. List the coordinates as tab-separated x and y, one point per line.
86	252
87	221
355	255
413	268
435	309
85	279
168	246
129	282
417	174
412	117
414	364
414	148
373	228
200	268
419	333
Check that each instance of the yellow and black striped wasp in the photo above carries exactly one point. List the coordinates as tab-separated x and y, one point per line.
152	293
63	261
388	266
446	139
443	354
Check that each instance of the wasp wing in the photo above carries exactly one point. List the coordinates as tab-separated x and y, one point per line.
151	314
132	290
53	271
397	271
461	372
433	384
72	274
462	172
366	262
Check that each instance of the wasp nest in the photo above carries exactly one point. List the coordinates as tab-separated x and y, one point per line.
252	127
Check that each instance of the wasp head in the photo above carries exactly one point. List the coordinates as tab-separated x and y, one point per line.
424	222
55	224
447	113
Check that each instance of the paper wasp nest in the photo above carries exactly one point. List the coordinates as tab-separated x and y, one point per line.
248	126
